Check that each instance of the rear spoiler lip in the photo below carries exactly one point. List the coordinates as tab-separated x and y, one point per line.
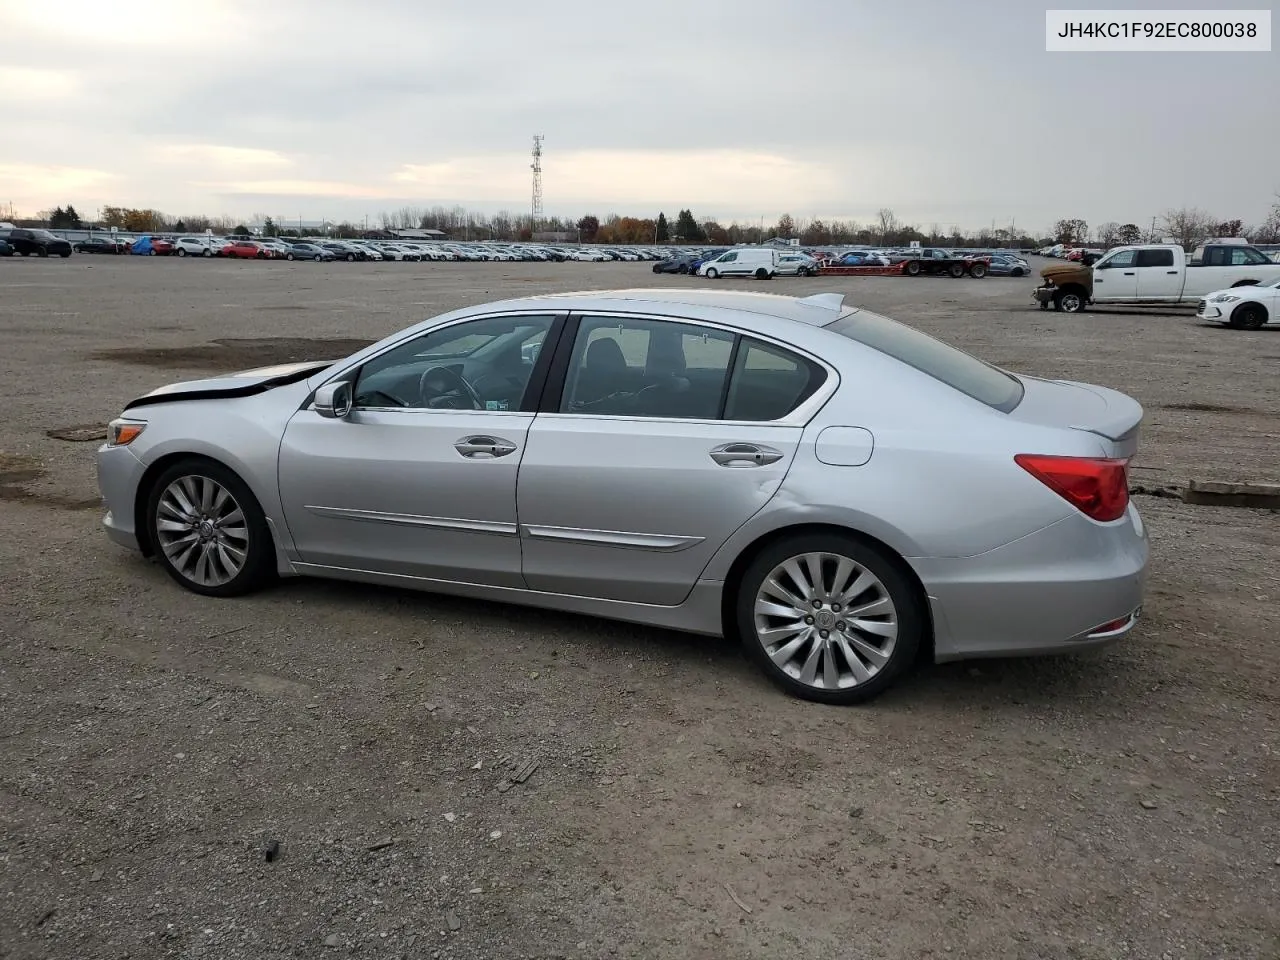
1124	414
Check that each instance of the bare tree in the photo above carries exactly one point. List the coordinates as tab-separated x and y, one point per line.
1107	233
1187	226
888	223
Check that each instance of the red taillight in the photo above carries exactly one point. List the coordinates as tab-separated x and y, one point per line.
1097	487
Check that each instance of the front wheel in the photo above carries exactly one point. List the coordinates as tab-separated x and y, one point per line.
684	268
657	268
208	530
1068	301
713	274
317	258
829	617
351	257
42	252
913	268
1016	272
182	252
206	252
762	274
289	256
802	272
1248	316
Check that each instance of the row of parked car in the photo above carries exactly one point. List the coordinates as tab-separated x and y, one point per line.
796	262
43	243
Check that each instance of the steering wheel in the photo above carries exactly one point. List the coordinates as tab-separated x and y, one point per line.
431	390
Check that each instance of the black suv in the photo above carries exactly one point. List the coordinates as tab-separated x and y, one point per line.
40	242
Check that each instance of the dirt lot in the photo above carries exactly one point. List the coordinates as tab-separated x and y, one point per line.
153	743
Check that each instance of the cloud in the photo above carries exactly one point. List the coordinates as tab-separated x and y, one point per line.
293	188
20	84
204	155
36	185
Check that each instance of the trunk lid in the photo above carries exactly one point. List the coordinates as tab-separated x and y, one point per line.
1110	415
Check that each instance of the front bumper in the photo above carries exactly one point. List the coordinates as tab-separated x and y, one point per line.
1211	312
1044	293
1072	585
119	473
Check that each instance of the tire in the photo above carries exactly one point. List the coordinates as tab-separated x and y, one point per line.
1249	316
317	258
1068	301
64	256
206	252
351	258
913	268
211	575
1044	304
684	268
182	252
260	255
978	270
857	672
1015	272
151	252
657	268
713	274
762	274
802	272
289	256
956	270
42	252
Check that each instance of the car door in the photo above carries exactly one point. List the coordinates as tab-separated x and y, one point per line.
655	441
419	478
1116	277
1158	277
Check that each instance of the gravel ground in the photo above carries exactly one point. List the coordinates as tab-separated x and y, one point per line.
155	744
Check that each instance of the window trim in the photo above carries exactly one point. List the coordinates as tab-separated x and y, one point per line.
529	403
557	379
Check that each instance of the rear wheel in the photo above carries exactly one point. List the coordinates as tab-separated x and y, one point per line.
913	268
684	268
828	617
351	257
1248	316
1016	272
762	274
956	270
182	251
978	270
289	256
317	258
42	252
206	252
208	530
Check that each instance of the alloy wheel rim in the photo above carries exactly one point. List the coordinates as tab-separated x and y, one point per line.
202	530
826	621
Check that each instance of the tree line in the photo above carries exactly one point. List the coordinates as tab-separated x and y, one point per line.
1187	226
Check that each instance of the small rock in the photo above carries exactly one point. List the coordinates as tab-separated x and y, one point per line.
855	812
97	875
451	817
452	920
477	765
534	675
582	944
737	806
476	890
333	940
271	851
431	707
495	835
1147	804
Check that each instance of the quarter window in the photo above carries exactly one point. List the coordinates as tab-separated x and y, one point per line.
769	382
481	364
1244	256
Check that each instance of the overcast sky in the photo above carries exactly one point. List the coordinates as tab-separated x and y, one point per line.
947	112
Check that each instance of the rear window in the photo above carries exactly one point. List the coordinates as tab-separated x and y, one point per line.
955	368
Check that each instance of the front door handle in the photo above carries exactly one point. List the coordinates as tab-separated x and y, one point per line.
745	455
1128	273
484	447
1172	273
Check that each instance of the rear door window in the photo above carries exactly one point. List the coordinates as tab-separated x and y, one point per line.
973	377
1155	258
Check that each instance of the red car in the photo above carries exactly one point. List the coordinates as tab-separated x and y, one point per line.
161	248
244	249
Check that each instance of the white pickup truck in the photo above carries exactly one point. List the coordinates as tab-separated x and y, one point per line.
1155	273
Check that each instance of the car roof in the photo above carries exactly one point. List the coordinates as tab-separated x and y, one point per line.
816	311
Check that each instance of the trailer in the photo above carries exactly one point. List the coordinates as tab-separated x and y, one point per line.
932	260
846	270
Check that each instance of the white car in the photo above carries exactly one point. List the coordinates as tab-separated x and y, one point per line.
758	262
1248	307
193	247
796	265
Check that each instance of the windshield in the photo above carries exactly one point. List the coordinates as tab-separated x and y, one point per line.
955	368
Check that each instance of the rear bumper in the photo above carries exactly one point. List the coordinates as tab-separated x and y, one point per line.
1071	586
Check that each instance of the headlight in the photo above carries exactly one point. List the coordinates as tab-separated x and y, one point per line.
121	433
1225	298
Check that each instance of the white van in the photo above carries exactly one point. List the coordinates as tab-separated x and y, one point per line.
758	262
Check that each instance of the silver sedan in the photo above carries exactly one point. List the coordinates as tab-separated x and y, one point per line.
840	490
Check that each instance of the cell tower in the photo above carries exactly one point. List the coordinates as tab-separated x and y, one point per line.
536	166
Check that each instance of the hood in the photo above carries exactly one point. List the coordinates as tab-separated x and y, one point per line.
1073	269
246	383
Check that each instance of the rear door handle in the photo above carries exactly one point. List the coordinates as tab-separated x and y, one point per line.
745	455
1172	273
1128	273
484	447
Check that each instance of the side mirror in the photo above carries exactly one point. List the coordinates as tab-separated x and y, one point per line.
333	400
